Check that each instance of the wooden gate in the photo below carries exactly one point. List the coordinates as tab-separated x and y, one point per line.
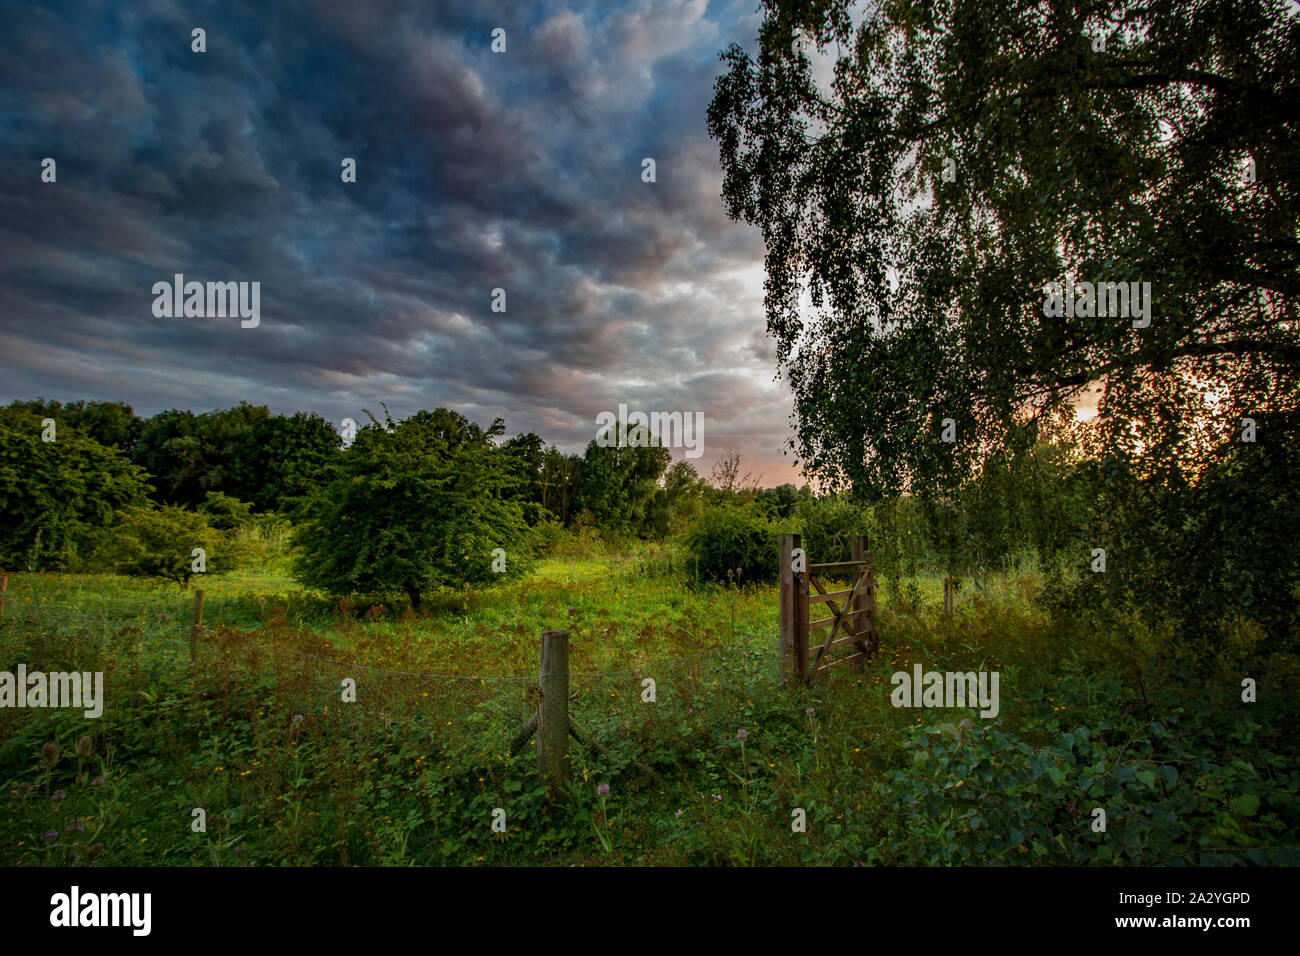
854	624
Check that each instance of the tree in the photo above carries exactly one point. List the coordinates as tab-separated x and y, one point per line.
727	478
190	455
977	151
57	497
527	453
109	423
411	506
560	481
280	459
779	502
678	500
975	164
619	481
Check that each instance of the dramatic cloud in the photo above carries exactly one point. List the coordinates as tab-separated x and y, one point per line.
476	170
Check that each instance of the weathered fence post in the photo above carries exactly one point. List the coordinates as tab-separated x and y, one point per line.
794	613
864	605
801	636
947	595
198	622
4	586
785	649
553	712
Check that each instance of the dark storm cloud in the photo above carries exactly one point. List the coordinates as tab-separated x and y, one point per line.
475	170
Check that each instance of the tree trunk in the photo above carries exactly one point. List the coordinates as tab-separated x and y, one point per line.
413	593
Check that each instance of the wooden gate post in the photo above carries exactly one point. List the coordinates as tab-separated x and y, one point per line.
553	712
794	614
864	605
801	623
785	647
198	622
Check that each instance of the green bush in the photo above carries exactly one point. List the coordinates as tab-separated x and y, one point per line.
159	542
727	538
226	513
828	527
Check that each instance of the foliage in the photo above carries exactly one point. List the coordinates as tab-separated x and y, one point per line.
1192	787
1055	169
412	506
1177	554
280	459
828	527
160	541
619	482
57	498
226	513
189	455
780	502
965	157
109	423
254	732
727	539
677	501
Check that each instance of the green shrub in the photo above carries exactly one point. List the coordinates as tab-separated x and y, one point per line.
828	527
159	542
226	513
727	538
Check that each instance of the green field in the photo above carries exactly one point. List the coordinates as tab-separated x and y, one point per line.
256	734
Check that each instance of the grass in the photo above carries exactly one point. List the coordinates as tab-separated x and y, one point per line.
256	735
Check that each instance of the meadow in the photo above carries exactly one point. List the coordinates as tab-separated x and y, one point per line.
254	731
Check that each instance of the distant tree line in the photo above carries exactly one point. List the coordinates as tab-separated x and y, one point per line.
110	487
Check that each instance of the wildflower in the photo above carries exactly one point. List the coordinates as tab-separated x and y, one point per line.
716	797
297	718
50	753
678	813
58	795
83	746
77	825
51	835
602	790
809	711
741	735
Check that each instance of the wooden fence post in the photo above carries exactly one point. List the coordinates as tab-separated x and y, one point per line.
198	622
801	622
863	606
553	712
785	649
947	595
4	586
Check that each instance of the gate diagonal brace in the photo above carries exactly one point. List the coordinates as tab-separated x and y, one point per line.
839	616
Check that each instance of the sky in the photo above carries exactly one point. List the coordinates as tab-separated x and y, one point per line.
475	170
